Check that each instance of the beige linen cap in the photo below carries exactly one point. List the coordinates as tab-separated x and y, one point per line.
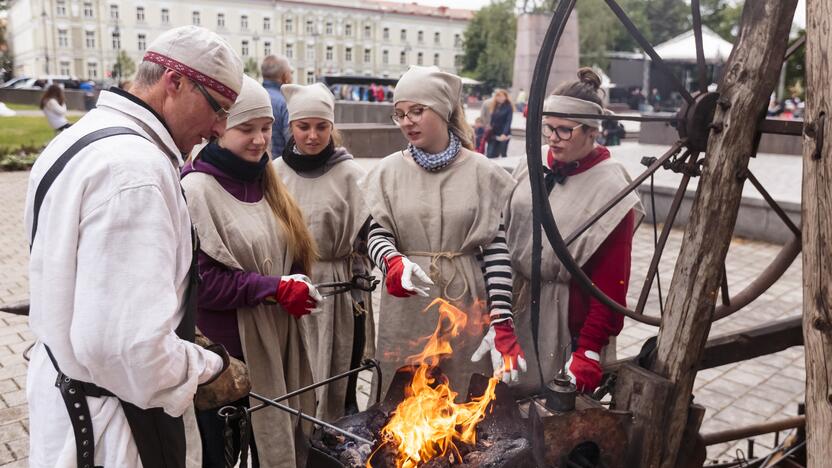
310	101
430	87
252	103
202	56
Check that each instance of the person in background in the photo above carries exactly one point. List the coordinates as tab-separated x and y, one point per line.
255	251
501	111
522	97
276	72
479	135
53	105
323	177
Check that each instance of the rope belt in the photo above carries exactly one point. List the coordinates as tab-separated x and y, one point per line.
436	275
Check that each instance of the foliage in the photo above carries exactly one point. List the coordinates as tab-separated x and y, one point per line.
25	132
252	69
796	70
722	17
125	67
489	44
20	160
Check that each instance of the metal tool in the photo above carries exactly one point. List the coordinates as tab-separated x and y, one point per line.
361	282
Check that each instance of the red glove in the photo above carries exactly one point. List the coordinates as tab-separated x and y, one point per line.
297	295
400	272
584	369
506	355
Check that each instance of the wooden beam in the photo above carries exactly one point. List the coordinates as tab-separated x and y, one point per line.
817	233
752	342
750	76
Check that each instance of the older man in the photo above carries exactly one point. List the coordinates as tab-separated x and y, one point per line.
111	259
277	72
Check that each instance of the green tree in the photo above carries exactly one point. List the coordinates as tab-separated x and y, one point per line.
722	17
6	62
489	44
251	68
124	66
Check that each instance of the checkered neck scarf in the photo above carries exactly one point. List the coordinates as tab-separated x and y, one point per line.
435	162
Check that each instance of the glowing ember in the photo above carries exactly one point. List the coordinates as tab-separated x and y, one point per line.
428	423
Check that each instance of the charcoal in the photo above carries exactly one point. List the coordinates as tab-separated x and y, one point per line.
504	453
503	420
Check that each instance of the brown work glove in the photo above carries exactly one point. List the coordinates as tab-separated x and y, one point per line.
228	385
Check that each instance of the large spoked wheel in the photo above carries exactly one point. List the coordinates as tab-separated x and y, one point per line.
694	123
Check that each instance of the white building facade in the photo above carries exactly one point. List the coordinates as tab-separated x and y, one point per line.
82	38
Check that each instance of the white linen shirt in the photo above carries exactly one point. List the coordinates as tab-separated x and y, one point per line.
108	276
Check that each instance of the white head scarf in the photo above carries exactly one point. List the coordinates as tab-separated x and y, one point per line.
428	86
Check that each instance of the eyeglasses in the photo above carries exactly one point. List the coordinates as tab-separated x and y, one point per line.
222	113
564	133
414	115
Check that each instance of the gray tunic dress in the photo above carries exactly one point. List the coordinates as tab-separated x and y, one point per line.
334	209
572	204
247	236
440	221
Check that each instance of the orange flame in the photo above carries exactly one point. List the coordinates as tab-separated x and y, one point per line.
428	423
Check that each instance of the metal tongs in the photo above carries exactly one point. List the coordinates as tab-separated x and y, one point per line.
361	282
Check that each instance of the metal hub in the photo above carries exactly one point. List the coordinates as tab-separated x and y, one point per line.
695	120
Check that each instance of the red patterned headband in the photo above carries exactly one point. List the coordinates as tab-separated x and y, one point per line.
195	75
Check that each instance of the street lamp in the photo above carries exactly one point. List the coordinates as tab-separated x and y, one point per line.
43	16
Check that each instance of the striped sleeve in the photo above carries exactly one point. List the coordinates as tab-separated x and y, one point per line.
381	244
496	267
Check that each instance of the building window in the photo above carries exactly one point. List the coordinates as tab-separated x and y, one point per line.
329	28
458	60
195	18
403	35
92	70
329	53
385	57
140	14
386	34
141	42
63	39
310	52
457	40
267	24
367	54
65	68
348	29
88	11
290	51
244	23
116	40
220	20
368	32
60	8
165	16
310	77
419	58
114	12
310	27
437	38
348	54
267	48
436	59
420	36
244	49
90	39
288	26
403	58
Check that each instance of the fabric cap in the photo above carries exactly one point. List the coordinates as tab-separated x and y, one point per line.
303	102
429	87
252	103
202	56
571	105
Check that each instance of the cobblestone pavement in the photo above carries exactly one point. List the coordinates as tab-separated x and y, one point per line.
737	394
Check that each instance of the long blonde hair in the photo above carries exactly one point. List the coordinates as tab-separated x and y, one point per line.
493	103
460	127
301	244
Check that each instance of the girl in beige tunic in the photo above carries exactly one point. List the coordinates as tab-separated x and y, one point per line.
323	178
436	233
252	237
581	178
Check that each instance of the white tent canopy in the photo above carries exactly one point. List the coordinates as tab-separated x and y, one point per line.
682	48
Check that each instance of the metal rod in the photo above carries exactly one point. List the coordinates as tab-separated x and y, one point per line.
668	225
368	366
309	418
726	297
774	205
633	118
753	430
798	43
623	193
701	66
656	245
649	50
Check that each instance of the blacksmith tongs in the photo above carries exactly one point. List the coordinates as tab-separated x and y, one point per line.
362	282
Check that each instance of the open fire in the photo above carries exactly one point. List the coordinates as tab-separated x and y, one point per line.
428	423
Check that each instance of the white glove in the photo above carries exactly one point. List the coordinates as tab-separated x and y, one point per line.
506	355
294	303
399	280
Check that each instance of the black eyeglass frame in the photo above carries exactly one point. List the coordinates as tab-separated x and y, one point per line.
222	113
398	119
549	130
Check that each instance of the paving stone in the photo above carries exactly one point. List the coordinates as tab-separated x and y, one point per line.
19	448
15	370
8	385
14	413
13	431
15	398
6	455
759	406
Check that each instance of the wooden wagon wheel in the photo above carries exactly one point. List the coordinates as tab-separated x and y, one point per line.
694	123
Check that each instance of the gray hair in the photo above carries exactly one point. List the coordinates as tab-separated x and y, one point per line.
148	74
274	67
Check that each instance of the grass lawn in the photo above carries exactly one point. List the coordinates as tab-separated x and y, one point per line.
25	131
22	107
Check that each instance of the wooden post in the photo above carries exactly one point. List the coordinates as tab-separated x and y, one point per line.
817	232
750	76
